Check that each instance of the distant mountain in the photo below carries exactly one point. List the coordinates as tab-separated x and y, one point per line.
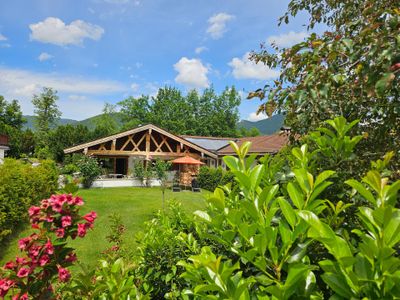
89	122
30	120
266	126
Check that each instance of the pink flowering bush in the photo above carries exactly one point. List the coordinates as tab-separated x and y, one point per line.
47	256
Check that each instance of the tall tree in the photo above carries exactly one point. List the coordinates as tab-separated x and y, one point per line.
47	115
11	122
106	123
170	110
65	136
352	70
225	113
135	111
46	109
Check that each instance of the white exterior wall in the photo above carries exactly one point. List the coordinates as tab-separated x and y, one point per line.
2	154
106	183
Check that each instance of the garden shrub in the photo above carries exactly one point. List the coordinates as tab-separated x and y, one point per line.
89	169
23	185
210	178
290	233
44	265
160	246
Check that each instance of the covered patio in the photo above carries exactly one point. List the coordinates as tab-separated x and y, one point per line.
118	153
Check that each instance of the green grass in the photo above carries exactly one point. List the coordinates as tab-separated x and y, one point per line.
134	205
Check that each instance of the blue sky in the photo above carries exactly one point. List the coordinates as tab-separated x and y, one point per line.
98	51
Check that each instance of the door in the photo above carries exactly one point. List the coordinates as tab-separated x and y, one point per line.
120	165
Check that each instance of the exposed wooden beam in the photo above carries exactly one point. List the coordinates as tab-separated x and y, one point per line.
148	127
129	140
148	134
138	153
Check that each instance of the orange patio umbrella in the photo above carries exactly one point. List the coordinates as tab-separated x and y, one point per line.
187	160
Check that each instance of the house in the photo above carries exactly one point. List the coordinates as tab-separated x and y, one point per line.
3	146
118	152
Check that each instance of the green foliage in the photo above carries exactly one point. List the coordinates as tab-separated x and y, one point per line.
115	238
65	136
253	131
166	239
210	178
47	113
142	172
287	237
69	169
23	185
106	123
46	109
110	280
89	169
194	114
352	69
11	122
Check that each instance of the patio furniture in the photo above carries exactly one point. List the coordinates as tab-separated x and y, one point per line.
115	175
195	186
176	188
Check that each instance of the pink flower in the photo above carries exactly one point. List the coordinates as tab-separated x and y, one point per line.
70	199
66	221
45	204
49	247
60	232
10	265
23	243
81	230
78	201
18	297
5	285
57	206
34	251
63	275
20	260
49	219
23	272
71	257
115	248
44	260
33	211
90	217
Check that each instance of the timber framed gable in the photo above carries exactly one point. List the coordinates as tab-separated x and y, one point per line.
147	141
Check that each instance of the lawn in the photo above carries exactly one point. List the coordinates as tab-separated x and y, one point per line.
134	205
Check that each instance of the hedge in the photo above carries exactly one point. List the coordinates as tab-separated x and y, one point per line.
211	178
23	185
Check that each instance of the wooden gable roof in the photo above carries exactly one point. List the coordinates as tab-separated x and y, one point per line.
148	127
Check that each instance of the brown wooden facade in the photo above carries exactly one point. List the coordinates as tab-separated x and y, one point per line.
145	143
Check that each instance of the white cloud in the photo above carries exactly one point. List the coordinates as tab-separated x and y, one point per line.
135	86
253	117
191	73
217	25
243	68
198	50
287	39
15	80
77	97
55	31
2	38
44	56
22	84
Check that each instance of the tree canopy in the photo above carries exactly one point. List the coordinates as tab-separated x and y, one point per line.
194	114
352	69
